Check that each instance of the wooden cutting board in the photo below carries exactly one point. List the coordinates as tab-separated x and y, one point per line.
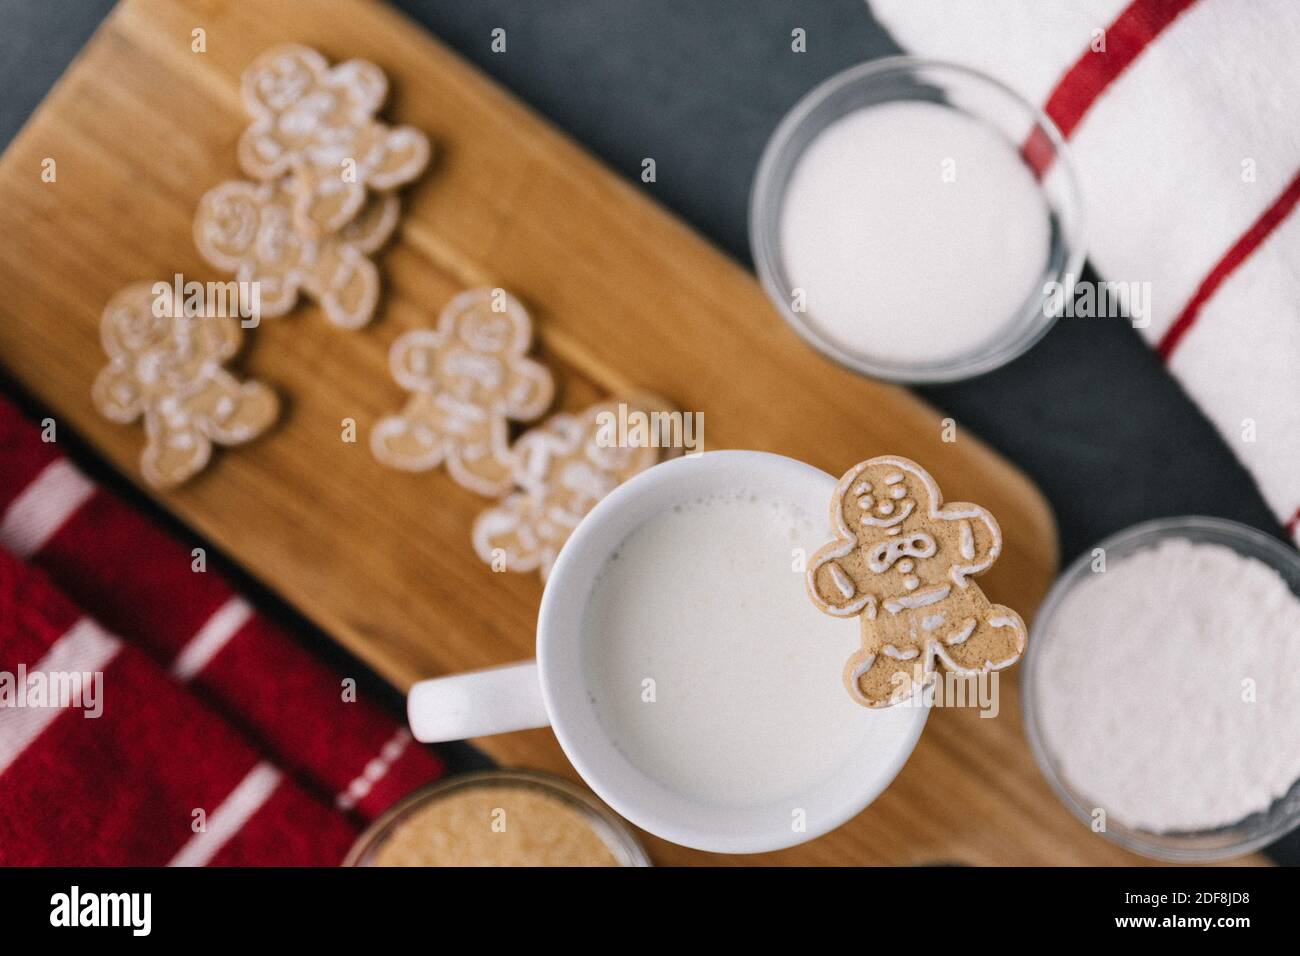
624	295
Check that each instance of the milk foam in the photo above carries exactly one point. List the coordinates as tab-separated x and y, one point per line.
704	599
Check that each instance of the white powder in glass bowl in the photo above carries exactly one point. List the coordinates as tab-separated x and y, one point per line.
1169	687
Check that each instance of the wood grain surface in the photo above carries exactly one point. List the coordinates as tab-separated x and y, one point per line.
623	295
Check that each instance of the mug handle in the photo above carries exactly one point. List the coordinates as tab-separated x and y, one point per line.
480	703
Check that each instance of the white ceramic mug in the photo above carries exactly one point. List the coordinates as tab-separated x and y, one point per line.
552	690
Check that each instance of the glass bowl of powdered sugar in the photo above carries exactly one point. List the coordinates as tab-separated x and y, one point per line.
1162	689
916	220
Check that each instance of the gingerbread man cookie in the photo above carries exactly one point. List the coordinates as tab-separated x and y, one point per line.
903	561
562	468
167	367
468	377
318	123
248	229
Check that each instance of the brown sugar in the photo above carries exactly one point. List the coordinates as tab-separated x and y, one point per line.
496	825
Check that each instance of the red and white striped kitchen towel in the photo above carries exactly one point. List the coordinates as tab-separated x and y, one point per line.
207	706
1182	119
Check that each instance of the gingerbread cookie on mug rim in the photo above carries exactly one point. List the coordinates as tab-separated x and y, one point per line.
903	563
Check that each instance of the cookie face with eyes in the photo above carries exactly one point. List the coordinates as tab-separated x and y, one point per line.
902	562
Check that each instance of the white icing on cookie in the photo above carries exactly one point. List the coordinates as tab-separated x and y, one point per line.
967	540
888	553
959	636
842	581
921	599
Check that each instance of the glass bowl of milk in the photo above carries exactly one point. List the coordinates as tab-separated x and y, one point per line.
911	220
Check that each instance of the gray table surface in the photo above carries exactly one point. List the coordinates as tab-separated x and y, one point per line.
700	86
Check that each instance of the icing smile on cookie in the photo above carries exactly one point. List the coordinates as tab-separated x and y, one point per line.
887	508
